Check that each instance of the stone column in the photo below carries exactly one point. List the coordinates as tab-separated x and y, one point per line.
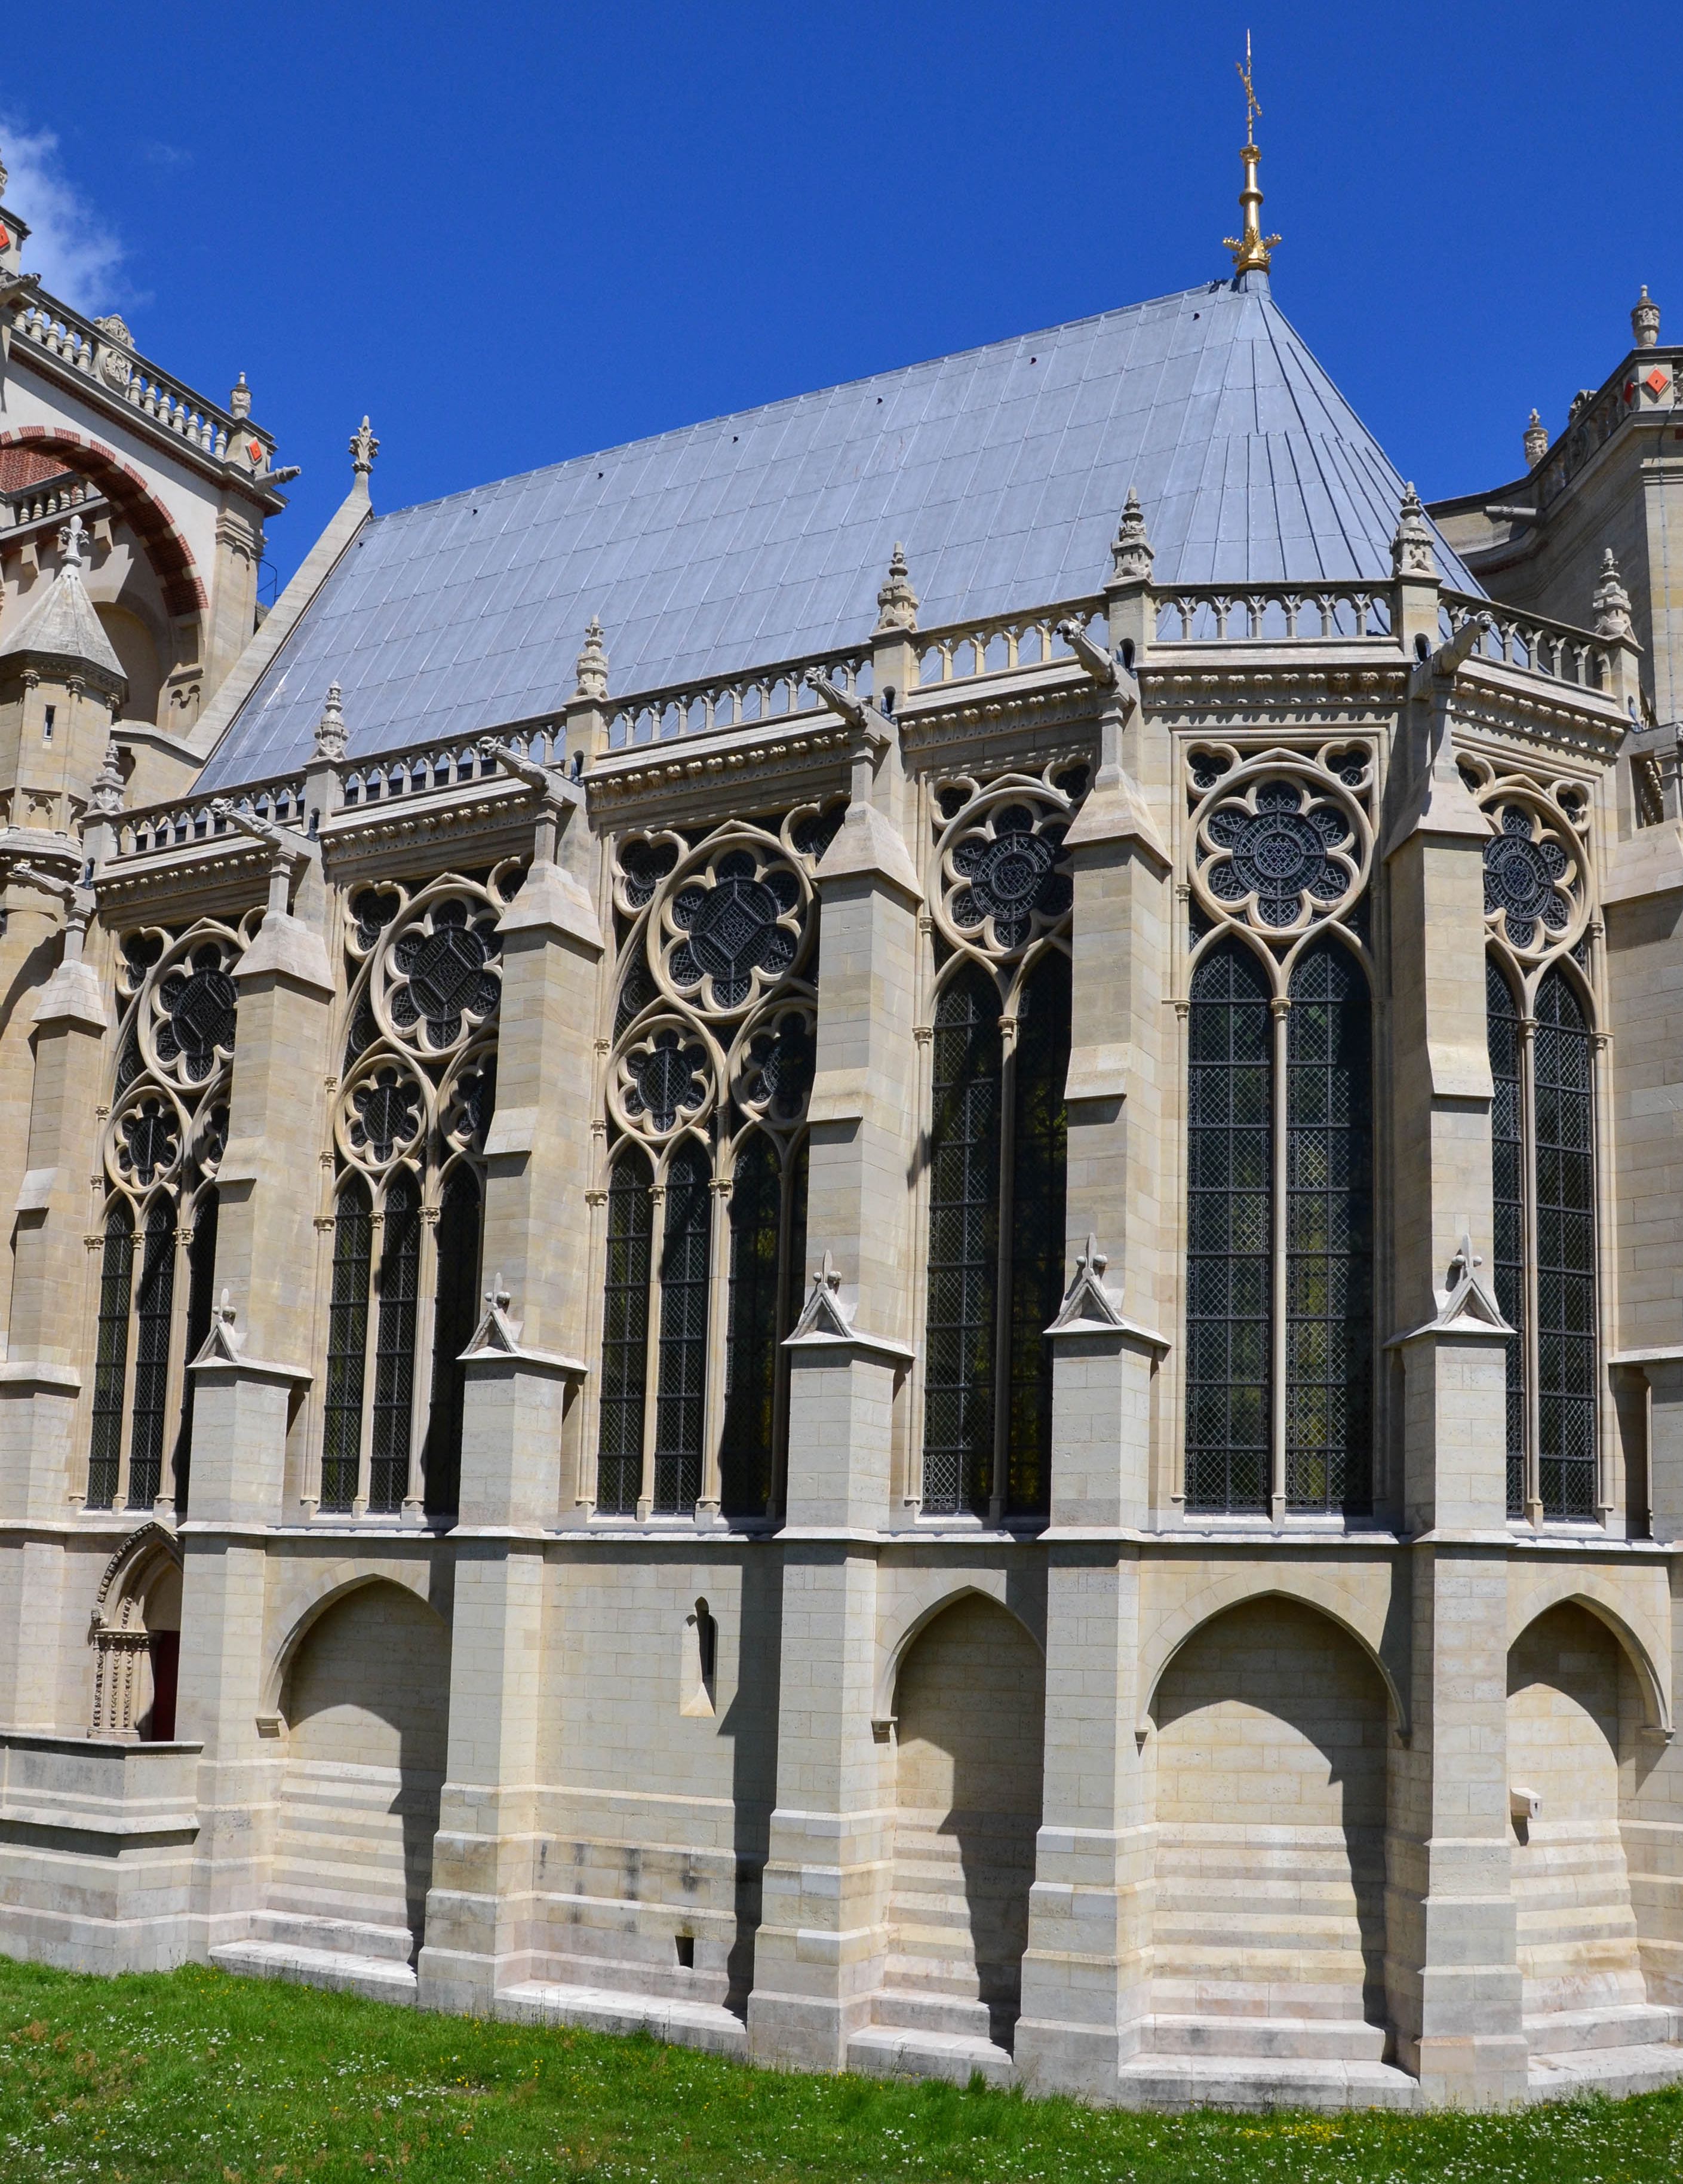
40	1381
1452	1972
519	1425
249	1384
822	1942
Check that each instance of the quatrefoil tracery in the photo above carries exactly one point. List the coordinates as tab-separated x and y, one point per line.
1280	847
666	1076
382	1113
173	1051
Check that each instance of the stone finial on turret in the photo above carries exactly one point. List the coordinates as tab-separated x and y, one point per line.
106	794
364	450
73	543
1131	553
1411	554
330	729
1612	602
1645	320
592	665
240	401
1536	441
896	602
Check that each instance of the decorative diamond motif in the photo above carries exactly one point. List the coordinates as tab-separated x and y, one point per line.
1528	878
198	1001
444	973
1657	382
733	928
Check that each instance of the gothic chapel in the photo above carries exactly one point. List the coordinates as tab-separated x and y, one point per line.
861	1233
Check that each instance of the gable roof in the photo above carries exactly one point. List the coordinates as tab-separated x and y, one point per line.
763	537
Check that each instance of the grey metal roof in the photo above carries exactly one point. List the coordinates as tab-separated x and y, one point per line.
763	537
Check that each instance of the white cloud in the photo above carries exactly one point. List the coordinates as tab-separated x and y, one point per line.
70	245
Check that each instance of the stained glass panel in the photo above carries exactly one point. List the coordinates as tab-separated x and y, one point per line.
1229	1224
1329	1237
394	1347
201	1301
745	1455
154	1301
1563	1076
347	1342
455	1317
624	1337
1502	1021
963	1248
681	1396
116	1274
1039	1165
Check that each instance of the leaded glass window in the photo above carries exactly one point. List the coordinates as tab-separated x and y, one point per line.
681	1390
1508	1159
394	1355
110	1374
1328	1234
161	1146
715	1029
200	1299
417	1096
346	1349
154	1299
1039	1162
961	1337
455	1316
624	1337
1229	1251
1544	1133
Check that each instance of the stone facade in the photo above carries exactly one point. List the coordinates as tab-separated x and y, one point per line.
890	1363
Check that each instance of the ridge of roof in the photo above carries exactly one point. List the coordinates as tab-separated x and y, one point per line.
761	535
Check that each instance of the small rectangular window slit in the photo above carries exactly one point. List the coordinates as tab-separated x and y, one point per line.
686	1951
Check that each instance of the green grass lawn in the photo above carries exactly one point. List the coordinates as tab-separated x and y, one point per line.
188	2075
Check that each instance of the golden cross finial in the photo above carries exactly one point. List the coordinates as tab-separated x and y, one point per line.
1250	249
1252	111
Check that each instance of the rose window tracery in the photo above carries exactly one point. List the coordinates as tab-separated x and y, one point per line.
442	973
383	1113
1281	850
1532	881
197	1004
740	919
149	1137
665	1078
471	1100
1002	877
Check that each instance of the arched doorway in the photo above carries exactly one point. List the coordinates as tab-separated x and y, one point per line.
1269	1765
367	1708
1573	1712
135	1630
970	1704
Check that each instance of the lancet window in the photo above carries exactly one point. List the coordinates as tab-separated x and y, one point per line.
705	1187
999	1050
1540	1016
413	1106
1280	1279
161	1143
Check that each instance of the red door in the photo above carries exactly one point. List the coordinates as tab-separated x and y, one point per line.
166	1660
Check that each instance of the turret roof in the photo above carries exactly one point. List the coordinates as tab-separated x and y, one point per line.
61	625
763	538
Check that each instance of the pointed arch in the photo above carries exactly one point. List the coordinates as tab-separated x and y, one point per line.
1569	1588
891	1658
1241	1588
171	556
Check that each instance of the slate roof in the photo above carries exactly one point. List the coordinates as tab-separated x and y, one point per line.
763	537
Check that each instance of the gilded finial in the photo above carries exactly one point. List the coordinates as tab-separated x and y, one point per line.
1251	250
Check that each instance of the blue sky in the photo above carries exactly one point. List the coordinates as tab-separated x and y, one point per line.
514	232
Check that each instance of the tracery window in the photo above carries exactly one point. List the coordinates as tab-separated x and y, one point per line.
161	1144
1280	1280
1539	1014
414	1104
999	1054
707	1087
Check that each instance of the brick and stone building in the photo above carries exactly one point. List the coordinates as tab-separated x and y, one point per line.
860	1233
